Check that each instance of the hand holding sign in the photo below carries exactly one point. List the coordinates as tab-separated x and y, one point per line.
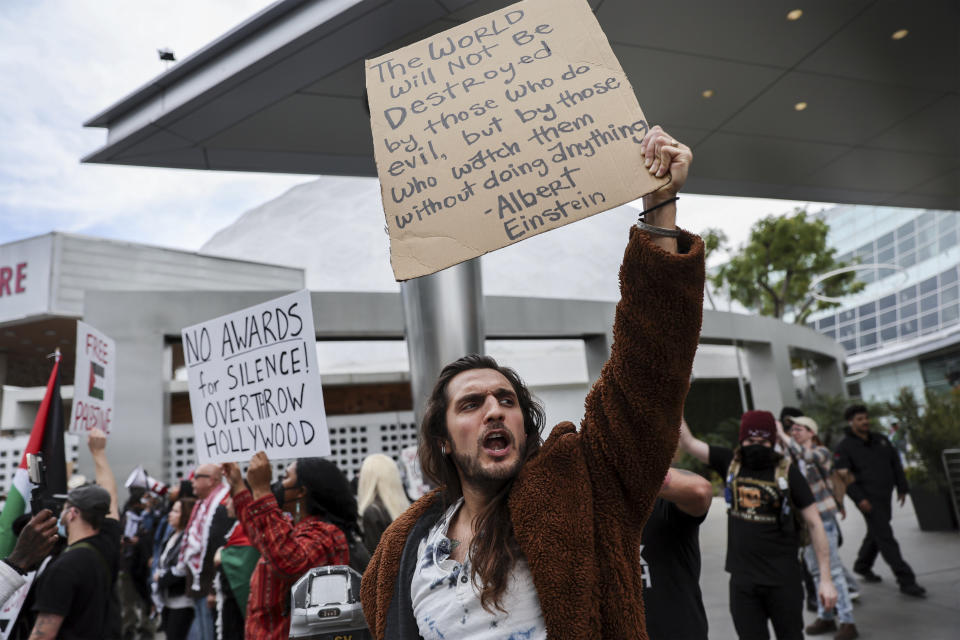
259	475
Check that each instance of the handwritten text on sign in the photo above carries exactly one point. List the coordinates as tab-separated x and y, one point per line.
94	381
254	383
499	129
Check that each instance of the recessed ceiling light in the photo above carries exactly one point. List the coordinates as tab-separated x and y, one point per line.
800	106
707	93
900	34
795	14
49	332
9	334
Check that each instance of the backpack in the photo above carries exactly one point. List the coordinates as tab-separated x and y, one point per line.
789	515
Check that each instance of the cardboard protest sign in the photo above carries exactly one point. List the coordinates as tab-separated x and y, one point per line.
499	129
254	383
94	381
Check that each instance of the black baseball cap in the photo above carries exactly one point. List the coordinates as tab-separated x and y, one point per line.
90	497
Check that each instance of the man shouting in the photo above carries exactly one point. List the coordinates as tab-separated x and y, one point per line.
530	539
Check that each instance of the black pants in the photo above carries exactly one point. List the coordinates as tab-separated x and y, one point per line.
176	622
880	540
751	606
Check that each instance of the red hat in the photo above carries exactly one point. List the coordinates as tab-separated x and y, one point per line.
760	424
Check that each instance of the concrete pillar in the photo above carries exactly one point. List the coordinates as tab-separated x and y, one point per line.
828	376
443	318
137	433
597	349
771	376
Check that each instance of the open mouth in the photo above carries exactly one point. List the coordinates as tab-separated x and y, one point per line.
496	442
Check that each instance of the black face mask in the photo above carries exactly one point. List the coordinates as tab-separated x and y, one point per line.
758	456
279	492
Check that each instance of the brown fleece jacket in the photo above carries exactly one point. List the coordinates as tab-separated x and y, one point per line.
579	506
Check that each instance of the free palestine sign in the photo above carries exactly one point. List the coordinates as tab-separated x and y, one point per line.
499	129
254	383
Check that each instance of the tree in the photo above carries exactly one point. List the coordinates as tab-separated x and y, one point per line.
773	272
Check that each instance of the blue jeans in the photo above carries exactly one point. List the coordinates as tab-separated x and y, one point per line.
202	620
844	607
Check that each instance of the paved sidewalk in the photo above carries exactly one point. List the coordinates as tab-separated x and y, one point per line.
882	611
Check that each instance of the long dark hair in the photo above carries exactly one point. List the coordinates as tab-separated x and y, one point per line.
493	550
328	493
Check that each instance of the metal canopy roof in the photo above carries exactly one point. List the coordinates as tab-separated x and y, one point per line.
284	93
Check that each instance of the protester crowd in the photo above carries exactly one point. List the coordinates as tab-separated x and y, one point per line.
589	534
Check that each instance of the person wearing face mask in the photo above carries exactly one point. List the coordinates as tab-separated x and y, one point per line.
765	493
75	595
318	496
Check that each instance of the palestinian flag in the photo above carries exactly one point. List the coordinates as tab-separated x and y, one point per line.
96	381
45	438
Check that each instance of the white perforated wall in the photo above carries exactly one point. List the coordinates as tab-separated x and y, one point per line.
352	438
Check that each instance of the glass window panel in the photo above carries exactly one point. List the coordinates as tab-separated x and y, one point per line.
950	314
908	310
907	244
865	250
926	252
908	294
927	235
811	325
889	334
948	276
850	345
926	219
908	259
867	309
868	340
885	240
948	240
847	257
888	317
847	330
929	303
888	301
868	324
905	229
885	256
886	273
948	295
829	321
847	315
947	222
928	285
831	334
908	328
867	276
929	322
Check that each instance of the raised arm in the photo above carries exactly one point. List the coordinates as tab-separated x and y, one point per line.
629	431
692	445
690	492
288	550
97	441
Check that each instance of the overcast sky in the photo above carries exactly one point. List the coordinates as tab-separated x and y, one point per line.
64	61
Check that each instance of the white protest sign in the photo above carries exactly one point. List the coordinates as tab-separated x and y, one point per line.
499	129
254	383
94	381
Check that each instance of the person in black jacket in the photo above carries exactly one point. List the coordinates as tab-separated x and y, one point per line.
877	470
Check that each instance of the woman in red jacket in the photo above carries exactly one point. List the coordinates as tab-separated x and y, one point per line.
318	496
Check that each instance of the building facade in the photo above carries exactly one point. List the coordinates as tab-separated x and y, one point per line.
903	328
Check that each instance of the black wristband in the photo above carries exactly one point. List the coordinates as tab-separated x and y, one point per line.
22	572
657	206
